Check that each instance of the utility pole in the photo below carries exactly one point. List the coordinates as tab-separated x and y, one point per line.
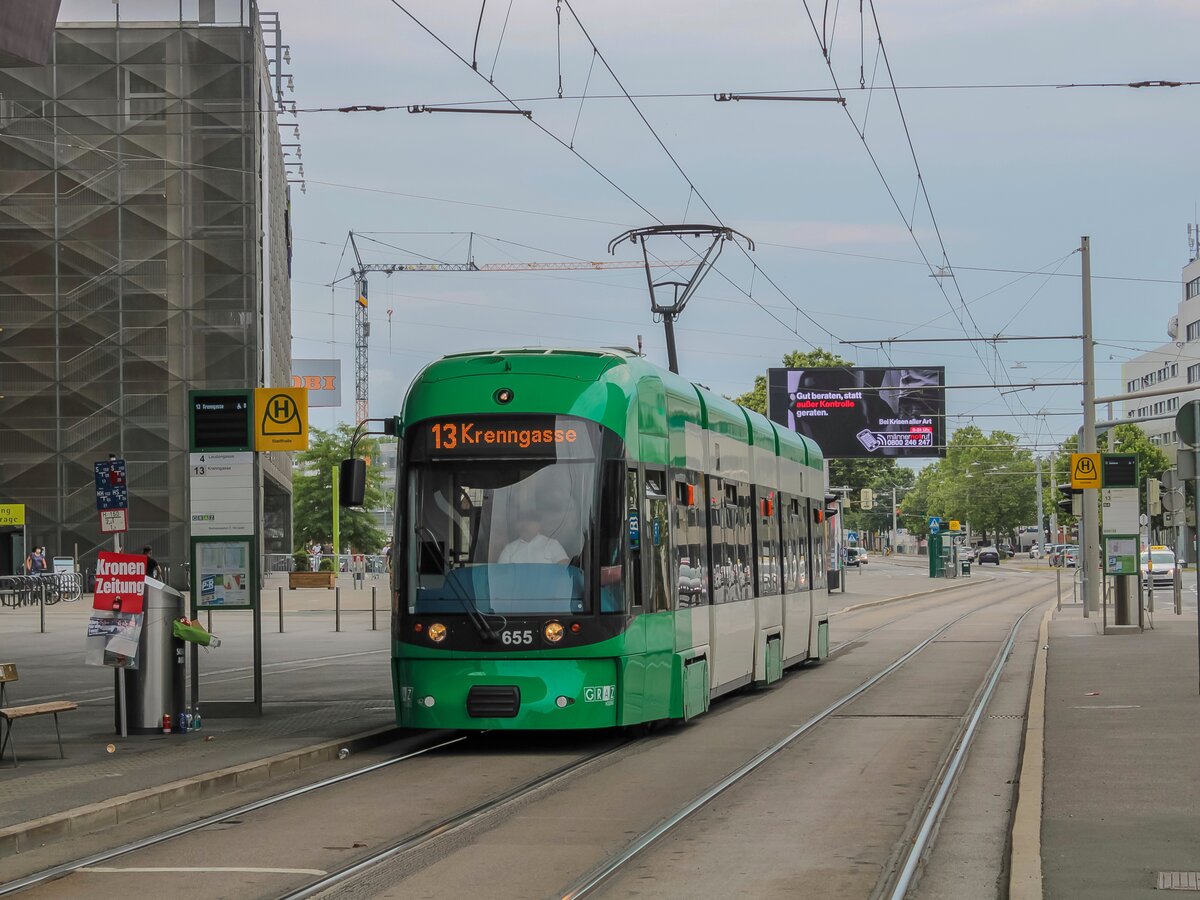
1090	523
1054	508
1041	535
895	529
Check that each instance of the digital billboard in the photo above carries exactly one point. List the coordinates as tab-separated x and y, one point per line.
863	412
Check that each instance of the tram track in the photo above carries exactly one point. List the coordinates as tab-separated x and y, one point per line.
459	823
415	839
61	870
900	879
422	838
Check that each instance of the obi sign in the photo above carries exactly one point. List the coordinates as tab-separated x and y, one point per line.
321	377
120	582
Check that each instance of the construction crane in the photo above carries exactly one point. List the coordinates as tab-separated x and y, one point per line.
362	325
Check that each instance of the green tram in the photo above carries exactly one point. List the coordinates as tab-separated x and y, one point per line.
585	540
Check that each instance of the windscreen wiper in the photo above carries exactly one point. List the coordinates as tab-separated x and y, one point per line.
468	605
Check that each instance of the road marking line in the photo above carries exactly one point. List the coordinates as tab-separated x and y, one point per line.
256	870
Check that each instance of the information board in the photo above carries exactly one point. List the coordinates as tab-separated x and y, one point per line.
1120	554
853	412
221	420
1119	470
222	493
112	484
224	576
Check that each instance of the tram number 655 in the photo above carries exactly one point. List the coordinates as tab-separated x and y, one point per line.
516	637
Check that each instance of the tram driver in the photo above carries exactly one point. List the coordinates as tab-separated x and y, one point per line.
531	545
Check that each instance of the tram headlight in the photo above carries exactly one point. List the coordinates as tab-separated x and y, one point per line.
437	632
553	632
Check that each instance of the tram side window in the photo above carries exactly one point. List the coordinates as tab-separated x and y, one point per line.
745	538
656	538
766	535
802	526
791	559
720	567
687	532
817	565
732	546
633	536
611	543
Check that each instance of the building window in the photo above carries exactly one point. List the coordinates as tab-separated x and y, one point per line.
1192	288
1193	373
145	102
1193	330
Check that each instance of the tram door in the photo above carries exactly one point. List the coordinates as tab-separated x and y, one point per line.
12	551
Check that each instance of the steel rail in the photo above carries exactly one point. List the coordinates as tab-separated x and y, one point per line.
586	885
949	773
65	869
456	822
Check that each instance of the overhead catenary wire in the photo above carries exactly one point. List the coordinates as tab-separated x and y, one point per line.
575	152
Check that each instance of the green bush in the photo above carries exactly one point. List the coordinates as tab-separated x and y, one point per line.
300	561
326	564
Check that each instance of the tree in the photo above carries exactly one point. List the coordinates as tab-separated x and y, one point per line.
312	492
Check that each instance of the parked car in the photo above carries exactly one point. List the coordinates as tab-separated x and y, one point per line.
1070	557
1163	571
966	553
988	554
1007	550
854	556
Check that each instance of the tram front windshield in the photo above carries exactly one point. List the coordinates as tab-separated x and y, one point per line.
500	514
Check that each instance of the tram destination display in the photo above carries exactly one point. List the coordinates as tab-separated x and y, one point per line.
534	435
863	412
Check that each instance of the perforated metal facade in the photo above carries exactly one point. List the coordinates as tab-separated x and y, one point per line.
144	241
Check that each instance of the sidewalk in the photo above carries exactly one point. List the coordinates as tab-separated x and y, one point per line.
1122	770
320	687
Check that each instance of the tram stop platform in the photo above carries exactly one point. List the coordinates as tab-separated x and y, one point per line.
1121	772
323	690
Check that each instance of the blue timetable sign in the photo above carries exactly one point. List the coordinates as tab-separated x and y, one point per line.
112	486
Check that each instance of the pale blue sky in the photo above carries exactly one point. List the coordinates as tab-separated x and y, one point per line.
1015	176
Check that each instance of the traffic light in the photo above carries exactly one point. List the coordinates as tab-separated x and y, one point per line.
866	498
1069	504
1153	496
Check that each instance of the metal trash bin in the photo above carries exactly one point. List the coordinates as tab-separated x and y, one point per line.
156	687
966	567
833	579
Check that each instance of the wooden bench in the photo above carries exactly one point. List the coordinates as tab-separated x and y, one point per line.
9	714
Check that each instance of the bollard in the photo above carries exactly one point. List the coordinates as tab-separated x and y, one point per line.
42	605
1058	587
373	627
281	609
337	609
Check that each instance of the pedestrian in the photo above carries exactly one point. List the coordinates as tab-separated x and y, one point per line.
314	553
387	557
152	570
35	564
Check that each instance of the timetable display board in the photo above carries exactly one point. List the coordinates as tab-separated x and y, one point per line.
1119	470
221	420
